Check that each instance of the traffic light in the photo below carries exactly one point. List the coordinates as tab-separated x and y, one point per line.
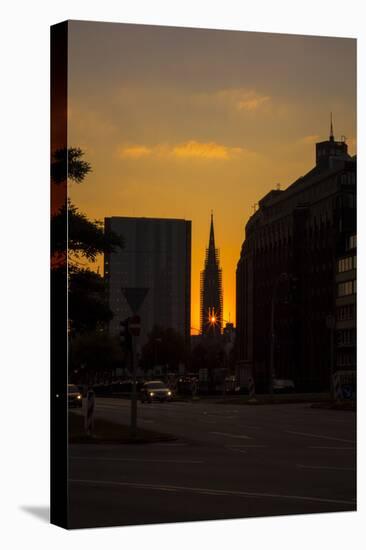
124	334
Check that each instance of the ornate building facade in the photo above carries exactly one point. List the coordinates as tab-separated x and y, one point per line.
288	277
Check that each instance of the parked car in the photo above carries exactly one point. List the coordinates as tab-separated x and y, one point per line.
75	398
281	385
155	390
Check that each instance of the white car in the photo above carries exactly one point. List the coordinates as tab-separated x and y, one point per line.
155	391
282	385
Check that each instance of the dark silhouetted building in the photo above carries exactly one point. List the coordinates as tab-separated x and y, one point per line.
295	278
345	318
211	290
156	256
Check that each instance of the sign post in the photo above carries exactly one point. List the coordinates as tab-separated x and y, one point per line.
134	327
134	297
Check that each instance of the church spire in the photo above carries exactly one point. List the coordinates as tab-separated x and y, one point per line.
212	234
211	289
331	136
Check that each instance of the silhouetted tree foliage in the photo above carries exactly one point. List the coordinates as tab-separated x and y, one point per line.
164	347
69	162
207	355
198	358
86	238
88	306
93	352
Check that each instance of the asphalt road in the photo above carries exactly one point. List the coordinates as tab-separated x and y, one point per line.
228	461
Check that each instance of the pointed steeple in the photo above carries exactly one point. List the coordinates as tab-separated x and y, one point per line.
211	289
212	234
331	135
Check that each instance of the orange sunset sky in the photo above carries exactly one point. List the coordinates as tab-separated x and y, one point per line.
176	122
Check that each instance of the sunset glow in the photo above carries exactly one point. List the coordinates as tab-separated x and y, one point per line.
215	121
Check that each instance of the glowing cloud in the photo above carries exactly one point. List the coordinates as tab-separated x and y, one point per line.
251	101
187	150
197	149
134	151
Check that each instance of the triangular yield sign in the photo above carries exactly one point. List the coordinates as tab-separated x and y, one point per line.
135	297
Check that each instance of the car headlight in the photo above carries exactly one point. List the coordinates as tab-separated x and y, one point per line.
151	394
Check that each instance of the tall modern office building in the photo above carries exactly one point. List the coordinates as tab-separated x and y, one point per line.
211	290
156	257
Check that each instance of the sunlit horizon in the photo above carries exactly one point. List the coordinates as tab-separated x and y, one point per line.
213	122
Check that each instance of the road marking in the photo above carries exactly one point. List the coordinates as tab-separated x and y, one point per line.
303	466
221	416
204	491
321	436
170	444
231	435
137	459
248	446
336	448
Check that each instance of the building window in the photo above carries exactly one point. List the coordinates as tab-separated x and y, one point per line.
345	358
346	337
346	313
346	264
347	288
351	242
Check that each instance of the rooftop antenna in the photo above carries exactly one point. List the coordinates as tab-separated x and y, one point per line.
278	186
331	136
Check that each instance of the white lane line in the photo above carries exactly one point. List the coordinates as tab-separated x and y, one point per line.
303	466
248	446
170	444
137	459
116	407
321	436
231	435
221	416
204	491
336	448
